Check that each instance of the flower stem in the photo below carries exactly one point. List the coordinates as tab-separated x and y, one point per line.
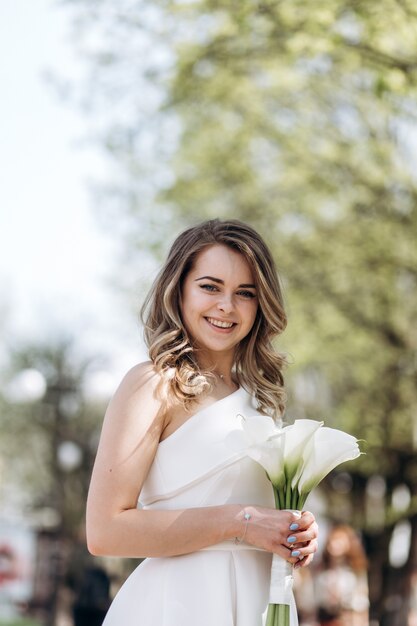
288	495
270	617
294	499
282	615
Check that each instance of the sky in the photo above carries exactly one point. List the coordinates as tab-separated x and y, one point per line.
55	260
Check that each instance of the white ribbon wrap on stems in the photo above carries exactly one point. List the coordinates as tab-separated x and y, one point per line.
280	590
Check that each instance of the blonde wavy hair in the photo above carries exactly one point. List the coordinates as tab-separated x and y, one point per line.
257	365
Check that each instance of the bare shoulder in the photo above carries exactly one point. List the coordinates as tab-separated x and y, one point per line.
140	376
129	439
139	402
142	383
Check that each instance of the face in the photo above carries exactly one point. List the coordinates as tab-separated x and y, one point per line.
338	544
219	301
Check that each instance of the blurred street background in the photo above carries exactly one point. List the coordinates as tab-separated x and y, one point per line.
123	123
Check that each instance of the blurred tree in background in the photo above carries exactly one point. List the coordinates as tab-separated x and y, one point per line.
47	415
300	119
50	423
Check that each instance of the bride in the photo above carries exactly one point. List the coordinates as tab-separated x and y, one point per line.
206	518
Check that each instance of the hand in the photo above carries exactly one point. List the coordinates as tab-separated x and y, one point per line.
303	540
270	530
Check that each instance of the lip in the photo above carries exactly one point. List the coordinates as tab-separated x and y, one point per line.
221	330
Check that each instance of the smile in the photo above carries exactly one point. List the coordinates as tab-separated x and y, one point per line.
220	324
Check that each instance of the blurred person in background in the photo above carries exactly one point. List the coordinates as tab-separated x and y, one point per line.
412	616
93	598
341	583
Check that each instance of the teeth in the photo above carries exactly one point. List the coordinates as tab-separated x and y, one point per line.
220	324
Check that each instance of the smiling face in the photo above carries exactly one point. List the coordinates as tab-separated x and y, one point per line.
218	302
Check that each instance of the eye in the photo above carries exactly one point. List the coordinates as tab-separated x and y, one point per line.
208	287
247	294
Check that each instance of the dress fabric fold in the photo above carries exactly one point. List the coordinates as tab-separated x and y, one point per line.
222	585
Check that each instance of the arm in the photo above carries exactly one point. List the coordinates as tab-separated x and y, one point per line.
131	431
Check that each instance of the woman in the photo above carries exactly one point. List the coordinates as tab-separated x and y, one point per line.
341	586
206	515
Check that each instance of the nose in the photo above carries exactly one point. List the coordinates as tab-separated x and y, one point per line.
225	304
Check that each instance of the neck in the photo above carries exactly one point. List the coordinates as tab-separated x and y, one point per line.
221	368
226	378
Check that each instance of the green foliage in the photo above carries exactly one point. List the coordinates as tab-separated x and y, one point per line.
299	119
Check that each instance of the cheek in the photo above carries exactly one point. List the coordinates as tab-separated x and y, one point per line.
249	313
253	310
193	304
200	302
187	320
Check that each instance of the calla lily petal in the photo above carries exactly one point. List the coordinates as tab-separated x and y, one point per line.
259	428
298	433
268	454
326	450
255	430
296	437
260	437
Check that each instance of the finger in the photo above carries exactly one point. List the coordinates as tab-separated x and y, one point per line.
293	519
301	552
294	556
297	538
284	553
304	562
306	520
303	530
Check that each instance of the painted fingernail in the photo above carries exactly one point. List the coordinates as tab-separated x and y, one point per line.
295	553
294	527
292	539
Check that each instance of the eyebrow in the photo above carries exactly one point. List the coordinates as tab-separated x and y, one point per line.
221	282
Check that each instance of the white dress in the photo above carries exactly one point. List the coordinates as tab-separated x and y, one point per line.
222	585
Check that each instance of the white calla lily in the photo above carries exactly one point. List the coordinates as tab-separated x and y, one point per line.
296	458
295	440
262	439
325	451
259	428
268	454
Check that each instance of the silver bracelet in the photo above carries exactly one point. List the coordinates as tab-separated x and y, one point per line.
246	517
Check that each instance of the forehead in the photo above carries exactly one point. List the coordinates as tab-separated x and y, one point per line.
223	262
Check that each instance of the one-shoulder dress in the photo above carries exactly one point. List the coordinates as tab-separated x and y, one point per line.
226	584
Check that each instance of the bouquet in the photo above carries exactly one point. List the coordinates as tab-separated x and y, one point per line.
296	458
